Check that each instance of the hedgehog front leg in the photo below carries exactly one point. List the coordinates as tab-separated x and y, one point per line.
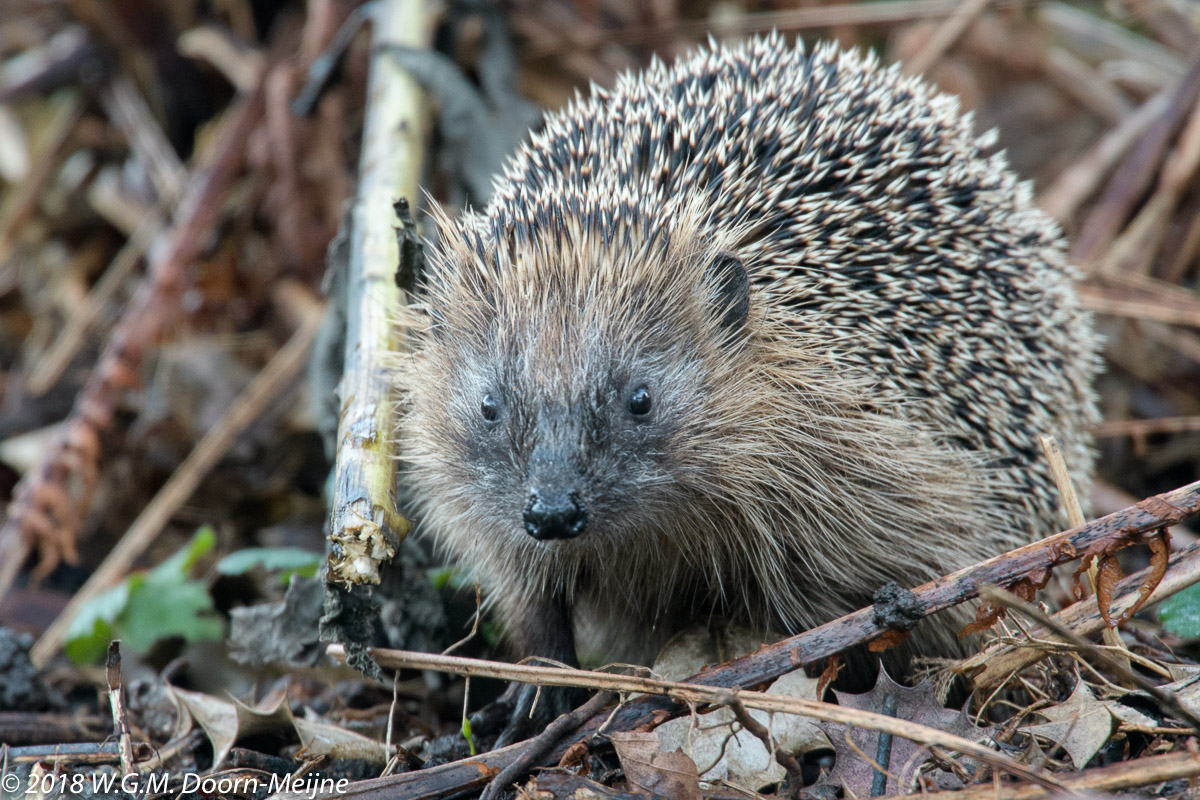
539	626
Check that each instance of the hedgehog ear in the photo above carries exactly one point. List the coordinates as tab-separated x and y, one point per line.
731	291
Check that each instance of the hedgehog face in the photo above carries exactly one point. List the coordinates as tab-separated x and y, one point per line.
558	419
559	453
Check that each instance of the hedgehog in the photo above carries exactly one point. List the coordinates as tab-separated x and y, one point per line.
746	337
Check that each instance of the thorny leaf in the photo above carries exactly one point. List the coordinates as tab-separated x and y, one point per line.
1129	716
1081	725
1181	672
333	741
218	718
918	704
668	774
226	721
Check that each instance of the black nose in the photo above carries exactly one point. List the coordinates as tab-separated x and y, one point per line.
557	515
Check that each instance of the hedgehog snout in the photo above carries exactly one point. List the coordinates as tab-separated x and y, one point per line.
555	515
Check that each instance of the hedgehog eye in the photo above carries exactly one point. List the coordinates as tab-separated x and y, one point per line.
489	407
639	401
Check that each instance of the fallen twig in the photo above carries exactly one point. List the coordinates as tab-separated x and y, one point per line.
946	35
1070	500
127	108
1121	301
1134	176
1112	778
686	695
49	368
21	203
1076	183
830	16
785	759
772	661
77	754
1146	427
537	747
116	701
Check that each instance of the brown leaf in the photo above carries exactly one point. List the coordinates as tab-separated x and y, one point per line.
1081	725
917	704
668	774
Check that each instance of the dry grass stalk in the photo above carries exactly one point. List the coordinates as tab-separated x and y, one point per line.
993	666
1062	478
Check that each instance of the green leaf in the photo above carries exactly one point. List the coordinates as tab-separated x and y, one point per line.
491	632
454	577
1180	613
440	577
466	732
158	609
179	566
146	607
289	560
92	628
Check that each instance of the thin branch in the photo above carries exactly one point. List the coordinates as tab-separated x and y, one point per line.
1070	500
1112	778
536	748
116	701
947	34
785	759
992	667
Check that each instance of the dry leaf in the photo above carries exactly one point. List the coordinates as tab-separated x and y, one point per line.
668	774
1081	725
324	739
918	704
218	719
726	752
714	742
225	721
1129	716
